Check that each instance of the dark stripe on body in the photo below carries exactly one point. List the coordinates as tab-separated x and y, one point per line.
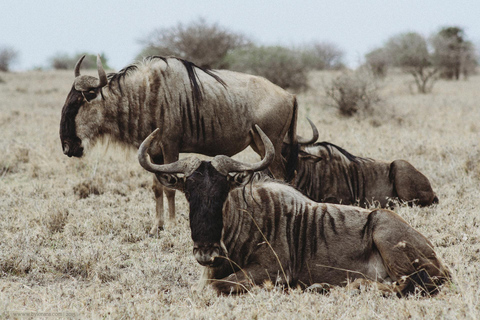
312	229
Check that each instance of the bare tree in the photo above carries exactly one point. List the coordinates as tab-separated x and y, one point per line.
8	55
409	51
200	42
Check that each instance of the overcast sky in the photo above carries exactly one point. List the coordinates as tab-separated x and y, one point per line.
39	30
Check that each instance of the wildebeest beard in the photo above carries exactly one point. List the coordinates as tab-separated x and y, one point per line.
206	191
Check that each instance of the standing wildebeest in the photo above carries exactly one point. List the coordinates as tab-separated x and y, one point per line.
248	233
328	173
197	110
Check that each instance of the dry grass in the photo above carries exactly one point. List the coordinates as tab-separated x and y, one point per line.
74	232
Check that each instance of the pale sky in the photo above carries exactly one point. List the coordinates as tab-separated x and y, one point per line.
38	30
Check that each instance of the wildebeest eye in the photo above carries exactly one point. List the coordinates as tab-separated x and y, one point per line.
89	95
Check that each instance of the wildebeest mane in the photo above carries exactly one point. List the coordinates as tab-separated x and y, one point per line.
193	77
190	67
259	178
329	146
115	77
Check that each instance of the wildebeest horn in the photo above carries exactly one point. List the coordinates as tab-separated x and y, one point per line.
102	76
186	165
84	83
226	164
314	137
77	66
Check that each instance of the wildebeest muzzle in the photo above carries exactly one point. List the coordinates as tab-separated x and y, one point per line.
207	254
72	148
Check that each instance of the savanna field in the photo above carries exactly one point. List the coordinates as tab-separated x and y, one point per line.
73	232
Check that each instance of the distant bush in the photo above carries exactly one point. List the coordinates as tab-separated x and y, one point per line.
353	92
281	65
377	60
64	61
453	54
8	56
200	42
322	56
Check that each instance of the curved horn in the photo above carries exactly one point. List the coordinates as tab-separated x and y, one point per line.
77	66
180	166
226	164
303	141
102	76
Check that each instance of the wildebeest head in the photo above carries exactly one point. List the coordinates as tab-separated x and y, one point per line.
81	99
206	185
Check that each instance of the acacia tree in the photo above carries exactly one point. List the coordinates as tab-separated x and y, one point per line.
409	51
200	42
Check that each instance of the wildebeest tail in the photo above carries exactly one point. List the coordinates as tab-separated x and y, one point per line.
290	151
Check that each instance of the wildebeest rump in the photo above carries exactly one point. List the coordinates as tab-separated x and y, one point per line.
197	110
246	232
328	173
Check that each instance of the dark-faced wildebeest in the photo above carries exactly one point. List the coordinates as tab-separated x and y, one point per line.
328	173
197	110
246	233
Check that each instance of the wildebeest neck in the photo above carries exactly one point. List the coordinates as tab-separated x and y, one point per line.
206	191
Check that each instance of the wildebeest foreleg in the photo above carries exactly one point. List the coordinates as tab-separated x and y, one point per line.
158	221
407	255
159	189
242	280
170	157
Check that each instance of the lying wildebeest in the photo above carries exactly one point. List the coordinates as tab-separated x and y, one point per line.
198	110
246	232
328	173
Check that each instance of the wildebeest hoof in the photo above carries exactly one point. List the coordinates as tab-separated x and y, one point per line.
322	288
155	234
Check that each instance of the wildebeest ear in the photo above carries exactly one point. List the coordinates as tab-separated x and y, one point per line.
241	178
308	156
171	181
